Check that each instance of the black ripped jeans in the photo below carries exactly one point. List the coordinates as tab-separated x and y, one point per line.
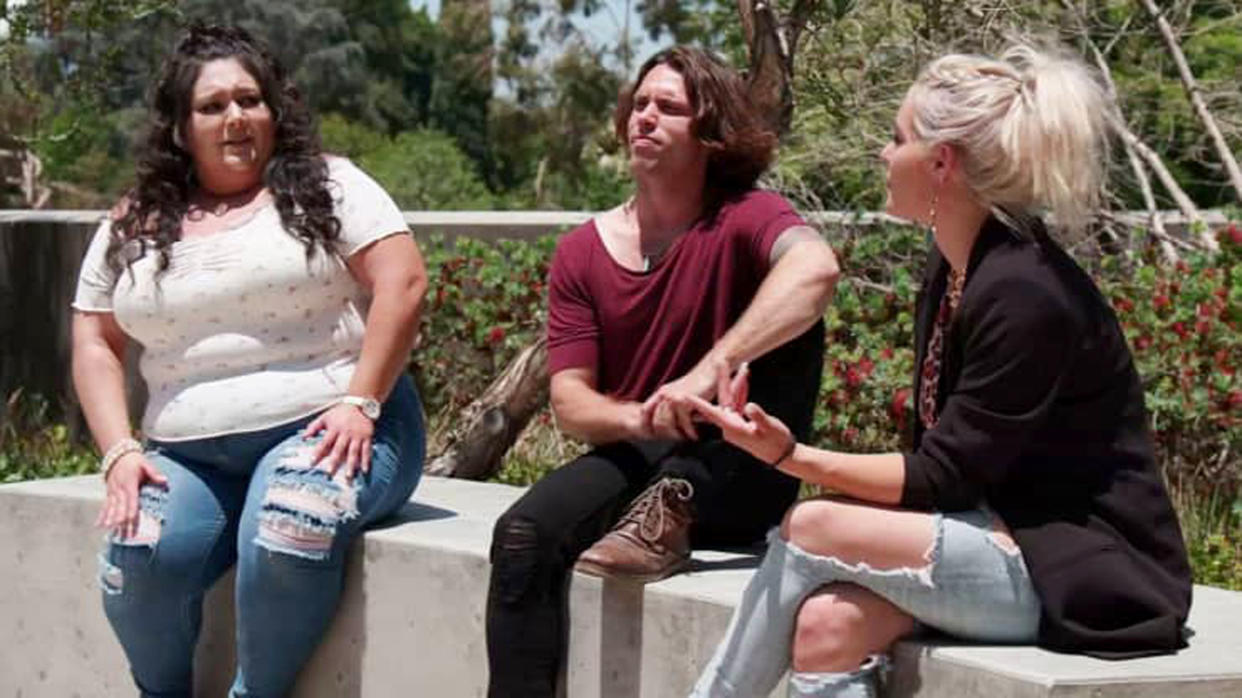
536	542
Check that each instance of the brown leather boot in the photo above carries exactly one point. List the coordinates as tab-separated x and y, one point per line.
652	539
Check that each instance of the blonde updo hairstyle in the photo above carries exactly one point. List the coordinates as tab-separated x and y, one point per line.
1029	128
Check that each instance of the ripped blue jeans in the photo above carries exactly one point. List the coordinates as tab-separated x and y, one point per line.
975	586
252	498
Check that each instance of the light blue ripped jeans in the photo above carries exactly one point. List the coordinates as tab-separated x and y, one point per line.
255	499
974	587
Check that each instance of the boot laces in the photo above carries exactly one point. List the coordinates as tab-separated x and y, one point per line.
650	509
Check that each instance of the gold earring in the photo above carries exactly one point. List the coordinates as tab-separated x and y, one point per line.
932	214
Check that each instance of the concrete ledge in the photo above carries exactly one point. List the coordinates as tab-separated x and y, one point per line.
411	621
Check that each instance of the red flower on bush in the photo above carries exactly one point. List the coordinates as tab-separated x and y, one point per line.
496	336
1231	233
865	367
900	405
1235	400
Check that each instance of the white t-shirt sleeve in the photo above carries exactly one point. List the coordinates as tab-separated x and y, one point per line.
95	279
367	213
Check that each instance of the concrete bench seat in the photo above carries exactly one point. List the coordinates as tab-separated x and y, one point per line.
411	621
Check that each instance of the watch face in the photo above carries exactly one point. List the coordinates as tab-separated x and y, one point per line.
370	407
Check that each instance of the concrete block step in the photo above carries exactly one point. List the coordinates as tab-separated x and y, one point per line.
412	617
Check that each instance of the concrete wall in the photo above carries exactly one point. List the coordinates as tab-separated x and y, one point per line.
412	617
411	622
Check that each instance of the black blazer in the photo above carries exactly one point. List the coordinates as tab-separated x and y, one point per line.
1041	416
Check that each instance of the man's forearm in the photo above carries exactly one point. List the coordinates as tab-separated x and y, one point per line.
587	415
795	294
604	422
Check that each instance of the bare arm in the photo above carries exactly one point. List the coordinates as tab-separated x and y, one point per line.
875	477
871	477
393	270
99	376
587	414
795	294
591	416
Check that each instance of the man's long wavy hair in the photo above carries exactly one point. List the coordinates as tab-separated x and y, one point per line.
741	145
150	215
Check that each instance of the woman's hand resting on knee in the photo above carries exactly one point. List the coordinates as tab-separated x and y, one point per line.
346	440
121	505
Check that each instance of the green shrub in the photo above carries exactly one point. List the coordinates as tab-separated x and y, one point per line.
32	445
1182	323
487	301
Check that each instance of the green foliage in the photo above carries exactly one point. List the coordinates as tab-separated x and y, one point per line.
712	24
421	170
399	46
350	139
1193	391
33	446
426	170
868	363
1185	326
1212	526
485	302
91	151
462	87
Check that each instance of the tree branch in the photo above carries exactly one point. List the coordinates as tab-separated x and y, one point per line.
1196	99
1167	252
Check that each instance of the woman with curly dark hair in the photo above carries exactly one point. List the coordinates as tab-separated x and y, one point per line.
275	294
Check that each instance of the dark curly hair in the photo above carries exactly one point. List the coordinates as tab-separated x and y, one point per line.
741	145
150	214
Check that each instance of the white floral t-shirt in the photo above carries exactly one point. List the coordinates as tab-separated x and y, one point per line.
243	332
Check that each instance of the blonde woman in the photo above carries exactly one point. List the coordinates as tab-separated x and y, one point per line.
1030	508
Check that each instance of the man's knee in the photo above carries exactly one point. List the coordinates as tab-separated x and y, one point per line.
522	558
826	635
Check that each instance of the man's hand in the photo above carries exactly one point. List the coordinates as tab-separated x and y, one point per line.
668	413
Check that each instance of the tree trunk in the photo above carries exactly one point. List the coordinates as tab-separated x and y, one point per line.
1196	99
772	43
488	426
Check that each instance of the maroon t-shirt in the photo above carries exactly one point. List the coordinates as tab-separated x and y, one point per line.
640	330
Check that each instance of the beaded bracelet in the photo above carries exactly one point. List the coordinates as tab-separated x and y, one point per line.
793	443
119	450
